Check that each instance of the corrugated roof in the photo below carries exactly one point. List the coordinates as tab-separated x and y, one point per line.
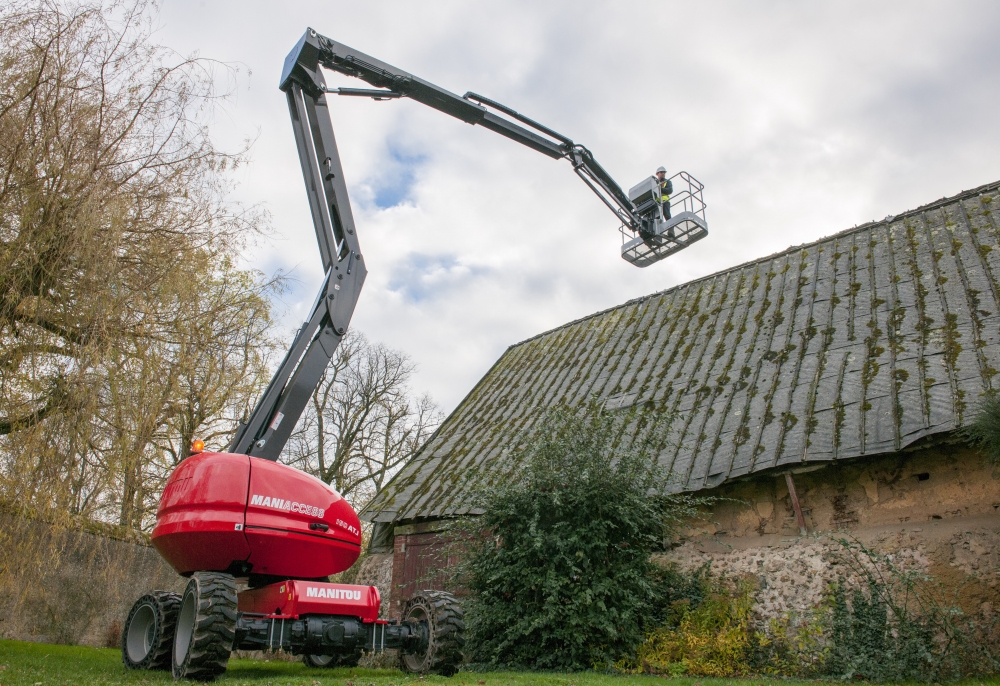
854	345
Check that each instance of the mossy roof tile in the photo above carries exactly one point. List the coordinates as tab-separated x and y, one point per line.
857	344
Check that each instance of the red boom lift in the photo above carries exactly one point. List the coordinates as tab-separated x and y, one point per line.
241	516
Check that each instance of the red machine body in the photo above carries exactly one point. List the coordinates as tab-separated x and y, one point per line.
294	599
228	512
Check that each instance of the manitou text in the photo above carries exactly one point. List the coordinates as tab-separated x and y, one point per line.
286	505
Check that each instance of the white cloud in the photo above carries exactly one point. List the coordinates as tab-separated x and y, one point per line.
802	119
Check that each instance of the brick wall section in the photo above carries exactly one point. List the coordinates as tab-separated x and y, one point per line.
398	562
422	559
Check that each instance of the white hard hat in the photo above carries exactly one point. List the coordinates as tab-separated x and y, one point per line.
661	169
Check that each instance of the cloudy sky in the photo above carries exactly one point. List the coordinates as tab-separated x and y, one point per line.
801	119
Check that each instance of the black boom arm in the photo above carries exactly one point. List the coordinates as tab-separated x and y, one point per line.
276	413
313	50
270	424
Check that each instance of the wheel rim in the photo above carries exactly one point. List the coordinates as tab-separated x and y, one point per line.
185	627
321	660
415	661
141	632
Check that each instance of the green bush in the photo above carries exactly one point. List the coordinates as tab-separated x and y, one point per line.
676	593
718	634
560	577
713	637
884	622
983	431
563	579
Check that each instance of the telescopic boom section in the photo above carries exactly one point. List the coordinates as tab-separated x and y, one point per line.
314	50
272	420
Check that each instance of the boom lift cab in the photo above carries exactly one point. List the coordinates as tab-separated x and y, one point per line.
239	517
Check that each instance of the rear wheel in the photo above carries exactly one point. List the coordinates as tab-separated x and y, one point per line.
148	635
439	617
350	659
206	627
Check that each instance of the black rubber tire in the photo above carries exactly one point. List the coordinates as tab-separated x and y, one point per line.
442	615
206	627
331	661
148	634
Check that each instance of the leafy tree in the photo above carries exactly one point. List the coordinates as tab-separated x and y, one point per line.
563	578
125	325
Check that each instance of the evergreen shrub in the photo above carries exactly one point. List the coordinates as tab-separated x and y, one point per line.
558	565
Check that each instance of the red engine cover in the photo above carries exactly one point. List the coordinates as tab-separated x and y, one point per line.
199	524
220	509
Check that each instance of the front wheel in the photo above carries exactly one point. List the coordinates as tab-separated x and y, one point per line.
438	618
148	635
206	627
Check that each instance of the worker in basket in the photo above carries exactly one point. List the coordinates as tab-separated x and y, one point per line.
666	188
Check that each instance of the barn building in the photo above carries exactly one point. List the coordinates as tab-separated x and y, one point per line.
817	390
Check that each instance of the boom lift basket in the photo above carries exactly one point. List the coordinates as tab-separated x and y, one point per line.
658	237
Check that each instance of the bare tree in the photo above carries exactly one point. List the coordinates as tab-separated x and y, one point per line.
363	422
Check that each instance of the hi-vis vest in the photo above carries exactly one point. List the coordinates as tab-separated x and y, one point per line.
665	188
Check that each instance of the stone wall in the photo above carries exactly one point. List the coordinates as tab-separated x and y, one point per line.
937	507
73	582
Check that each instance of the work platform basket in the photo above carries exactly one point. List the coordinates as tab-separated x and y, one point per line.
663	237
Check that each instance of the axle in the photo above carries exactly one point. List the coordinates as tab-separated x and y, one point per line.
326	635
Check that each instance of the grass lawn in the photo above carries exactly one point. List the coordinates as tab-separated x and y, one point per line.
30	664
41	664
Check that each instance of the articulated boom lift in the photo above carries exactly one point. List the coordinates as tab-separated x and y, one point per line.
241	515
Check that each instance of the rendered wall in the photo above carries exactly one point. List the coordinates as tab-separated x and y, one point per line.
903	490
937	509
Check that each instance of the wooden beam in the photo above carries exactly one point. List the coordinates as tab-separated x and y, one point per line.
795	504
